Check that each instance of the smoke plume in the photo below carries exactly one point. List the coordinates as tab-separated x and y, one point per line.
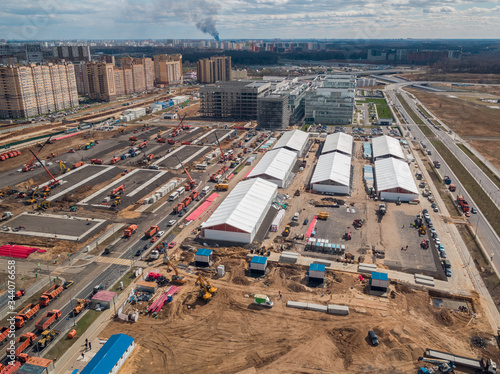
207	25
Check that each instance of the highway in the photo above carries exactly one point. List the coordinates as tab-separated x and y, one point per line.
485	232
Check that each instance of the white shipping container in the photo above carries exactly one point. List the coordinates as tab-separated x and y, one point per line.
277	220
174	196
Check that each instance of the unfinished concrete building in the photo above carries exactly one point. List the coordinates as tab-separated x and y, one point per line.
273	112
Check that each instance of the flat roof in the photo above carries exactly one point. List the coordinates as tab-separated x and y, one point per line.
104	296
258	260
110	353
204	252
380	276
317	267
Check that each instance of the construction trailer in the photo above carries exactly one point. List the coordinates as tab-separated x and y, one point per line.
258	264
379	281
203	257
316	272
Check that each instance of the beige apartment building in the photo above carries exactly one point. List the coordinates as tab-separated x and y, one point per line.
31	90
100	80
215	69
168	69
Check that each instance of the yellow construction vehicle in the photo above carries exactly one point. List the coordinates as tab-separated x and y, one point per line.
176	279
207	290
422	230
323	215
46	191
117	201
80	305
43	205
47	337
286	232
63	167
33	200
221	187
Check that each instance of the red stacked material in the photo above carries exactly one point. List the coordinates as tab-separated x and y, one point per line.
17	251
152	275
158	303
311	227
41	251
229	178
202	208
246	175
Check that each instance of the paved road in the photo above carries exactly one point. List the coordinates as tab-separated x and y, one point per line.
485	232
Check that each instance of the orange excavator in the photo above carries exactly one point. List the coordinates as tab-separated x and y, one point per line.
192	183
118	190
80	305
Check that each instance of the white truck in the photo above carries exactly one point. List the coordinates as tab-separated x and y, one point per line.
6	216
262	300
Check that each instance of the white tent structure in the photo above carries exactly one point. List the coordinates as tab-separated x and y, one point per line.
294	140
275	166
239	217
385	146
394	181
338	142
332	174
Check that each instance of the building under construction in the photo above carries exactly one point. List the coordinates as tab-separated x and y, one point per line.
273	112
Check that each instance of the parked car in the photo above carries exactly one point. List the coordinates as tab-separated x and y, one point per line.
425	211
373	337
306	221
147	245
467	214
447	272
442	254
473	211
171	244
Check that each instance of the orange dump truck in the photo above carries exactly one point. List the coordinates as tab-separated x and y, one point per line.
151	231
50	295
4	332
130	231
27	313
21	344
47	320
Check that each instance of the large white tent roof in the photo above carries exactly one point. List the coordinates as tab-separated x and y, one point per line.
244	206
333	166
294	139
275	163
393	173
338	142
385	145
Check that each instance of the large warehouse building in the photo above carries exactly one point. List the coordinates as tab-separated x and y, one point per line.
394	181
239	217
294	140
276	166
332	174
385	146
338	142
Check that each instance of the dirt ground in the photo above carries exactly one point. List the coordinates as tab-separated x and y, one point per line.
467	120
229	335
465	78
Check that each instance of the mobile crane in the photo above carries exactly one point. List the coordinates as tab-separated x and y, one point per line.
207	290
223	157
192	183
29	165
178	128
54	182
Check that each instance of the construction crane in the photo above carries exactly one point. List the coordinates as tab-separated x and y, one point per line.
118	190
176	279
28	166
192	183
178	128
63	167
54	182
218	142
443	366
206	291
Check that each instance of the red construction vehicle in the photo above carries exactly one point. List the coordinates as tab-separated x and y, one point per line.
151	231
21	343
187	201
29	165
25	314
130	231
240	143
192	183
50	295
47	320
150	157
144	144
133	138
185	143
178	129
452	188
172	141
462	203
118	190
357	223
223	157
4	332
78	164
54	182
114	160
19	293
162	140
179	207
96	161
194	195
347	235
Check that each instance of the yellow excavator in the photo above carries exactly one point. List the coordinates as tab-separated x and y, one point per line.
207	290
33	200
63	167
176	279
43	205
422	230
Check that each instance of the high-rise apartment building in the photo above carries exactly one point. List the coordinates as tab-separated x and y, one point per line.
31	90
73	53
100	77
217	69
81	83
34	53
168	69
134	75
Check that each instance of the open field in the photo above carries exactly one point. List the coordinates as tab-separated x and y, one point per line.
233	336
459	77
494	178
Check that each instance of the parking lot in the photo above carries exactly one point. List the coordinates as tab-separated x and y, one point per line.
51	226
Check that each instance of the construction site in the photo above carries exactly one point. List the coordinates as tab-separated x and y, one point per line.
260	251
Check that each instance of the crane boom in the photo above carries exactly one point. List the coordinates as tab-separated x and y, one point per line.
191	181
54	182
218	142
28	165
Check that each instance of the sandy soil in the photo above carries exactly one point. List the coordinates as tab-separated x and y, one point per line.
229	335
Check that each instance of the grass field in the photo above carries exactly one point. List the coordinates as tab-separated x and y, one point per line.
382	107
425	129
480	197
127	278
494	178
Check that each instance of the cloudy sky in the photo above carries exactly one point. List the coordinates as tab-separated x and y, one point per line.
249	19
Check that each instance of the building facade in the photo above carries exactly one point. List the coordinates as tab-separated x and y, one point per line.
75	53
215	69
100	79
273	112
168	69
31	90
236	100
34	53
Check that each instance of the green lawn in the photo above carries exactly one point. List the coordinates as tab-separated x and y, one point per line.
382	107
127	278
